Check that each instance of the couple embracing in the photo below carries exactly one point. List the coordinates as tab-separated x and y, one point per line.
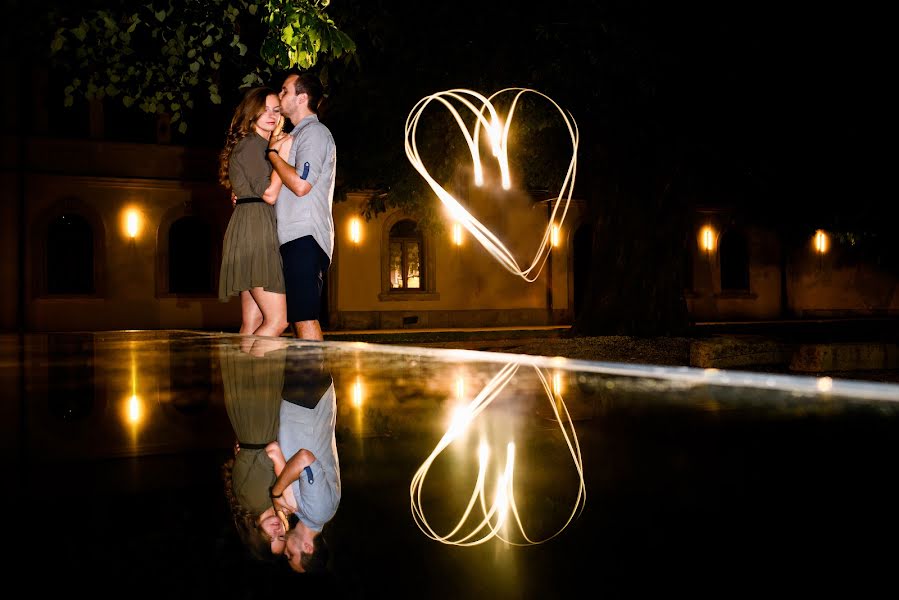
280	238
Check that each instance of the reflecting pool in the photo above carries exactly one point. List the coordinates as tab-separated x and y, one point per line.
142	463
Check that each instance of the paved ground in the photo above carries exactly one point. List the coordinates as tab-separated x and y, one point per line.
556	341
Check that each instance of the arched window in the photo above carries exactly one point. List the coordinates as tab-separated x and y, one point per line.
70	255
191	382
408	264
190	258
734	256
405	259
71	382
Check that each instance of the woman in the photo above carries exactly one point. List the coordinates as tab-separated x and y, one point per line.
251	261
252	378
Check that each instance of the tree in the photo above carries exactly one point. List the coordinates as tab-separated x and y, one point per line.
677	107
594	60
162	57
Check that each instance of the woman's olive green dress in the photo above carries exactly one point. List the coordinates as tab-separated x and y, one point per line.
250	254
252	387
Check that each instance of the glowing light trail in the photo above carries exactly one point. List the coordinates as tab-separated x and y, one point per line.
503	509
487	117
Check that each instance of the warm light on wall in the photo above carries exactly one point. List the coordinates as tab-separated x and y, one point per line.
707	238
554	236
355	230
822	242
132	222
457	234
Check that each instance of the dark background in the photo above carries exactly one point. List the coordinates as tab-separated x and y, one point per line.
776	114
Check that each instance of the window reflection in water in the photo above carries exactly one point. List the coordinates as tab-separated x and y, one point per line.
71	386
492	509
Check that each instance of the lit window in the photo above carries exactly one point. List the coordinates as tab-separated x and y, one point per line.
707	238
405	247
822	243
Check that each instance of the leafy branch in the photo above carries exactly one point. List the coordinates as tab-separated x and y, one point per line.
164	56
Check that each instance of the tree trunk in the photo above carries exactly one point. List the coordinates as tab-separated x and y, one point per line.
636	283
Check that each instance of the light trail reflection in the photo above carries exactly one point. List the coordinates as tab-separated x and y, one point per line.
495	516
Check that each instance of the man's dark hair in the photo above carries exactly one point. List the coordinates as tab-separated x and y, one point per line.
317	562
307	83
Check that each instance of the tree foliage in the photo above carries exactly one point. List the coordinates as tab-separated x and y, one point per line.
163	57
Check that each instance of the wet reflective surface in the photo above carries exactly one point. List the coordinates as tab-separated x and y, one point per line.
454	473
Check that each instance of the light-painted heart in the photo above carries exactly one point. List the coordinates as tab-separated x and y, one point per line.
499	514
487	117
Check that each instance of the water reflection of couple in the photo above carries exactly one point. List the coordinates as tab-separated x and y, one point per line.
283	484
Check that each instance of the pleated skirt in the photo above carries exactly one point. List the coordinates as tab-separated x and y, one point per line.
250	255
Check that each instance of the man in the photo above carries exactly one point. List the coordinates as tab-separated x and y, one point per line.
303	209
308	484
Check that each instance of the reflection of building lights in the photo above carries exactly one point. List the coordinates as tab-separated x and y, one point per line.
824	384
457	234
458	422
821	242
707	238
134	410
555	236
132	223
460	388
357	392
355	230
557	384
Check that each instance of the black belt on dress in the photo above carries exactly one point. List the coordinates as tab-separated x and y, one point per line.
249	200
245	446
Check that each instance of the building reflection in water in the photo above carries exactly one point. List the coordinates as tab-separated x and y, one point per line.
487	515
693	475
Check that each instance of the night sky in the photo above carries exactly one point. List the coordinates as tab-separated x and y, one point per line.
758	105
778	111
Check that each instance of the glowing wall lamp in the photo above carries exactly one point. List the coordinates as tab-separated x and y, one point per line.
355	230
707	238
132	222
821	242
554	236
457	234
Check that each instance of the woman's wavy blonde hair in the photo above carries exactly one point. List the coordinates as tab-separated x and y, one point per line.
242	124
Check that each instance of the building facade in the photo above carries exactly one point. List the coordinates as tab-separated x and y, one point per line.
104	235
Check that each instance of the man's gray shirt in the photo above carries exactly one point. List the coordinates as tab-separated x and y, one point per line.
313	429
314	156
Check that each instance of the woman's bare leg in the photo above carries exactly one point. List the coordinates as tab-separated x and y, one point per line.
274	312
250	315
